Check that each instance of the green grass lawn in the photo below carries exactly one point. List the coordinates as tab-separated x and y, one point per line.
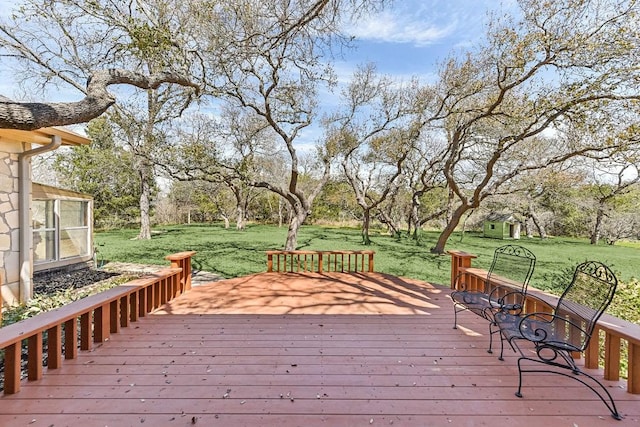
234	253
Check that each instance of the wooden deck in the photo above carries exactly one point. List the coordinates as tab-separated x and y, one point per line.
305	350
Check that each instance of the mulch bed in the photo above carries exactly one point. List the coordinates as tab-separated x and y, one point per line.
50	282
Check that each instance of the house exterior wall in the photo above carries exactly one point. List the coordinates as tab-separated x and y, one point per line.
16	237
9	223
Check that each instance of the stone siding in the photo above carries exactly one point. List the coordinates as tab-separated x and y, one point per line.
9	227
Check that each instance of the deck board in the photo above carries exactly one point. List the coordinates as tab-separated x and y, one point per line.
290	350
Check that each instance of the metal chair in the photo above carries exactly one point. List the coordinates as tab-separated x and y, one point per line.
568	328
504	288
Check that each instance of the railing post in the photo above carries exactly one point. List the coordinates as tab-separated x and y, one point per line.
459	260
182	260
269	262
85	331
633	369
371	261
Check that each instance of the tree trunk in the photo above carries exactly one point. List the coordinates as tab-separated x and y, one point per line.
456	216
292	234
464	225
595	234
280	212
415	217
536	221
240	208
392	228
527	227
366	223
226	221
449	211
240	217
145	205
539	225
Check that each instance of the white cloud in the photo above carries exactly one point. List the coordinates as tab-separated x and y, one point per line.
401	28
425	22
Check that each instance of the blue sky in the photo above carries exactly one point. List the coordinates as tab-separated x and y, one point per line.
409	38
412	36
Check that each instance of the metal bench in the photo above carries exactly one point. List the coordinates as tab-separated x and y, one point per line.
504	287
566	329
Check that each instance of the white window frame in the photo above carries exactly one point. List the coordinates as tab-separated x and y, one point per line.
57	229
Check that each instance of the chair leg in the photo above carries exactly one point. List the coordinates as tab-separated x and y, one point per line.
576	374
491	332
501	357
519	392
455	317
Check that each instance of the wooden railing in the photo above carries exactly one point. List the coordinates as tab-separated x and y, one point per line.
614	330
320	261
98	316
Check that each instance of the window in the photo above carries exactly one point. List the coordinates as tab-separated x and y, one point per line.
60	229
44	239
74	229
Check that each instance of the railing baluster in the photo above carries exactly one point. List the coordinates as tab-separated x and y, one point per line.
101	324
592	353
612	357
114	316
85	331
71	338
54	347
125	311
12	365
34	363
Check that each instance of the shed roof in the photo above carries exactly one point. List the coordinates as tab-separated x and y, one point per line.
501	217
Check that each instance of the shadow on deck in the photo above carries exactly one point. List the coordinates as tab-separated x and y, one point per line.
331	349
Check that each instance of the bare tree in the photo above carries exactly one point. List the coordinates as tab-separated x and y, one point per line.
611	180
89	46
277	79
374	132
424	178
565	64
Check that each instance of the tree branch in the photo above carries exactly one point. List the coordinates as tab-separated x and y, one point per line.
35	115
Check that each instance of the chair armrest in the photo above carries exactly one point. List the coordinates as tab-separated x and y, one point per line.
553	330
505	298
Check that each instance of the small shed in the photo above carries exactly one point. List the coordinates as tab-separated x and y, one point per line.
502	226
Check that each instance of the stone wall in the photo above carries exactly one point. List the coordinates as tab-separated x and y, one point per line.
9	223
